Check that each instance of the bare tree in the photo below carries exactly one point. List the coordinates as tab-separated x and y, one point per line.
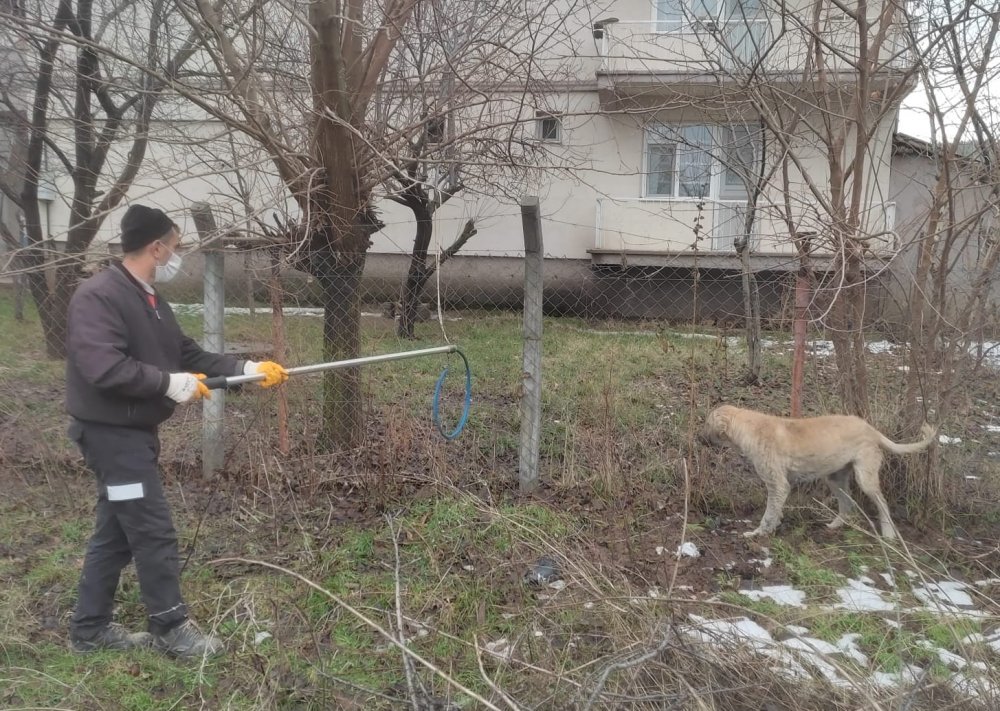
823	82
956	239
84	105
470	138
342	120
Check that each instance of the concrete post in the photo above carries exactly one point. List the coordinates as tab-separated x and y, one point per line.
531	392
213	339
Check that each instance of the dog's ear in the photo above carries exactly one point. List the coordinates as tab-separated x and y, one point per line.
720	419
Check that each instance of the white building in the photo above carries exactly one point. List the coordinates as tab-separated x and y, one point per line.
657	119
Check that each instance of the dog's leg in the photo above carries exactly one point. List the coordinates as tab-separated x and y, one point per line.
839	483
777	493
866	468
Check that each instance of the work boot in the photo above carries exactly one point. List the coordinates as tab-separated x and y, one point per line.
114	636
187	641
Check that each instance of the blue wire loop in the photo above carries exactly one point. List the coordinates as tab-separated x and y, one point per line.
466	406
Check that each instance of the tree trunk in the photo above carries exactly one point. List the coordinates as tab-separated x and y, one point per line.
417	274
343	418
847	332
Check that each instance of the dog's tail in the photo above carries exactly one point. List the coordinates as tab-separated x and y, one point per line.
927	433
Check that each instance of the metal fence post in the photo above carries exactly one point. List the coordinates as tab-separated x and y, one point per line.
213	339
531	392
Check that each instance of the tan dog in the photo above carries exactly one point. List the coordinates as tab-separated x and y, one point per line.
786	451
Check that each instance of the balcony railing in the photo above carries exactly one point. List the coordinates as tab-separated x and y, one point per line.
765	45
669	225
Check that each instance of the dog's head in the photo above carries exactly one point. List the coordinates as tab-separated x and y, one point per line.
715	432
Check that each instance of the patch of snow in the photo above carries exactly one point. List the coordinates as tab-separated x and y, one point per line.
889	580
848	645
950	659
881	347
261	637
987	582
945	439
796	630
895	624
740	630
948	593
974	687
860	597
765	563
992	428
820	348
659	550
907	676
557	584
781	594
688	550
812	645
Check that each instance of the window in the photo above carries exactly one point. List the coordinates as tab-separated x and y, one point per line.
674	15
681	160
548	127
741	155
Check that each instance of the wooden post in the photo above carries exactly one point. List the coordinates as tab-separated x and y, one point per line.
213	451
802	288
531	376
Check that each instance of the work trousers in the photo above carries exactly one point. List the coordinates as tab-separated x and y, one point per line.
133	523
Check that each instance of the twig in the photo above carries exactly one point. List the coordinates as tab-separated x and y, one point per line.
489	682
367	620
407	663
684	525
626	664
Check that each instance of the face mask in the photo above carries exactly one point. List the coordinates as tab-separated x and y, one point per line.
166	272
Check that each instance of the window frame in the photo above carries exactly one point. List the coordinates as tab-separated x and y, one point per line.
540	118
718	170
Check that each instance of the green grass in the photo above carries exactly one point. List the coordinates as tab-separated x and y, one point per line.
615	422
817	580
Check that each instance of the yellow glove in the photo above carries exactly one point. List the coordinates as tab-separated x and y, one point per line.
187	387
273	373
202	391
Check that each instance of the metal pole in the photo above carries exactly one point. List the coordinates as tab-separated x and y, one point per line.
334	365
531	391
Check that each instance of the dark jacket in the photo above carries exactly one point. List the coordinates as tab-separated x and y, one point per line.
121	351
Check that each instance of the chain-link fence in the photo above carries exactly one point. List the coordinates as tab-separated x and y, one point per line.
634	353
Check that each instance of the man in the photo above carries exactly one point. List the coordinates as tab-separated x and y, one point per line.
128	366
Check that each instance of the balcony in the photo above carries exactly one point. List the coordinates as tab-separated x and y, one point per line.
661	232
638	57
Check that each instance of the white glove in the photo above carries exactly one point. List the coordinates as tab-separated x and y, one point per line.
185	387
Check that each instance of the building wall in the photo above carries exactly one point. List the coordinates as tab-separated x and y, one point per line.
911	187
